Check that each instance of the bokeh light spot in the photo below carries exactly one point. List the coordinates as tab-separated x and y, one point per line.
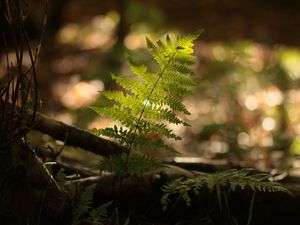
269	124
243	138
274	97
251	102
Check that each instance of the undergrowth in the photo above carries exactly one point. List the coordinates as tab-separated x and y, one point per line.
220	184
149	100
83	209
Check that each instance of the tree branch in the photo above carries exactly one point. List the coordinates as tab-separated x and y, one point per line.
74	136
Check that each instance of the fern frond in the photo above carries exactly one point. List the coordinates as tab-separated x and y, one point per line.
185	43
176	105
150	141
135	86
150	98
139	164
116	114
84	202
119	133
134	164
99	214
113	164
232	179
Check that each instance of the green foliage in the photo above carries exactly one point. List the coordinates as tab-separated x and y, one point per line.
83	205
134	164
147	101
220	184
232	179
96	216
82	201
61	177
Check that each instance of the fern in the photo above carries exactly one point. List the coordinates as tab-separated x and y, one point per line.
134	164
149	100
232	179
98	215
83	205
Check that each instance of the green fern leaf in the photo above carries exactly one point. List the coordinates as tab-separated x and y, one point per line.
231	179
84	202
134	164
148	100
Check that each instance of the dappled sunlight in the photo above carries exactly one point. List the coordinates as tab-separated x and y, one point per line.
245	104
98	33
244	139
135	41
273	97
255	57
219	113
64	117
219	53
69	64
266	141
294	96
68	33
270	97
218	147
269	124
76	93
290	60
251	102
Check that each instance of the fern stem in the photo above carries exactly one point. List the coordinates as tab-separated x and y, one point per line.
251	208
146	103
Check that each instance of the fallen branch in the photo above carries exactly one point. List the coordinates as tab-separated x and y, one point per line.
73	136
60	131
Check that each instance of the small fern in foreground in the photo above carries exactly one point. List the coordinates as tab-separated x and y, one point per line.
83	204
149	101
232	179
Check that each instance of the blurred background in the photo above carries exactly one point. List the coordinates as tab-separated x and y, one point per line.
246	105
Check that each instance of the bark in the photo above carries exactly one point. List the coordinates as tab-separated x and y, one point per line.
73	136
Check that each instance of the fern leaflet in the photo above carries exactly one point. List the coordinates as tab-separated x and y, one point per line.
84	203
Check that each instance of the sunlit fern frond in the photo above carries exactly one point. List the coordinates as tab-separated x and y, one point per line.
150	99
